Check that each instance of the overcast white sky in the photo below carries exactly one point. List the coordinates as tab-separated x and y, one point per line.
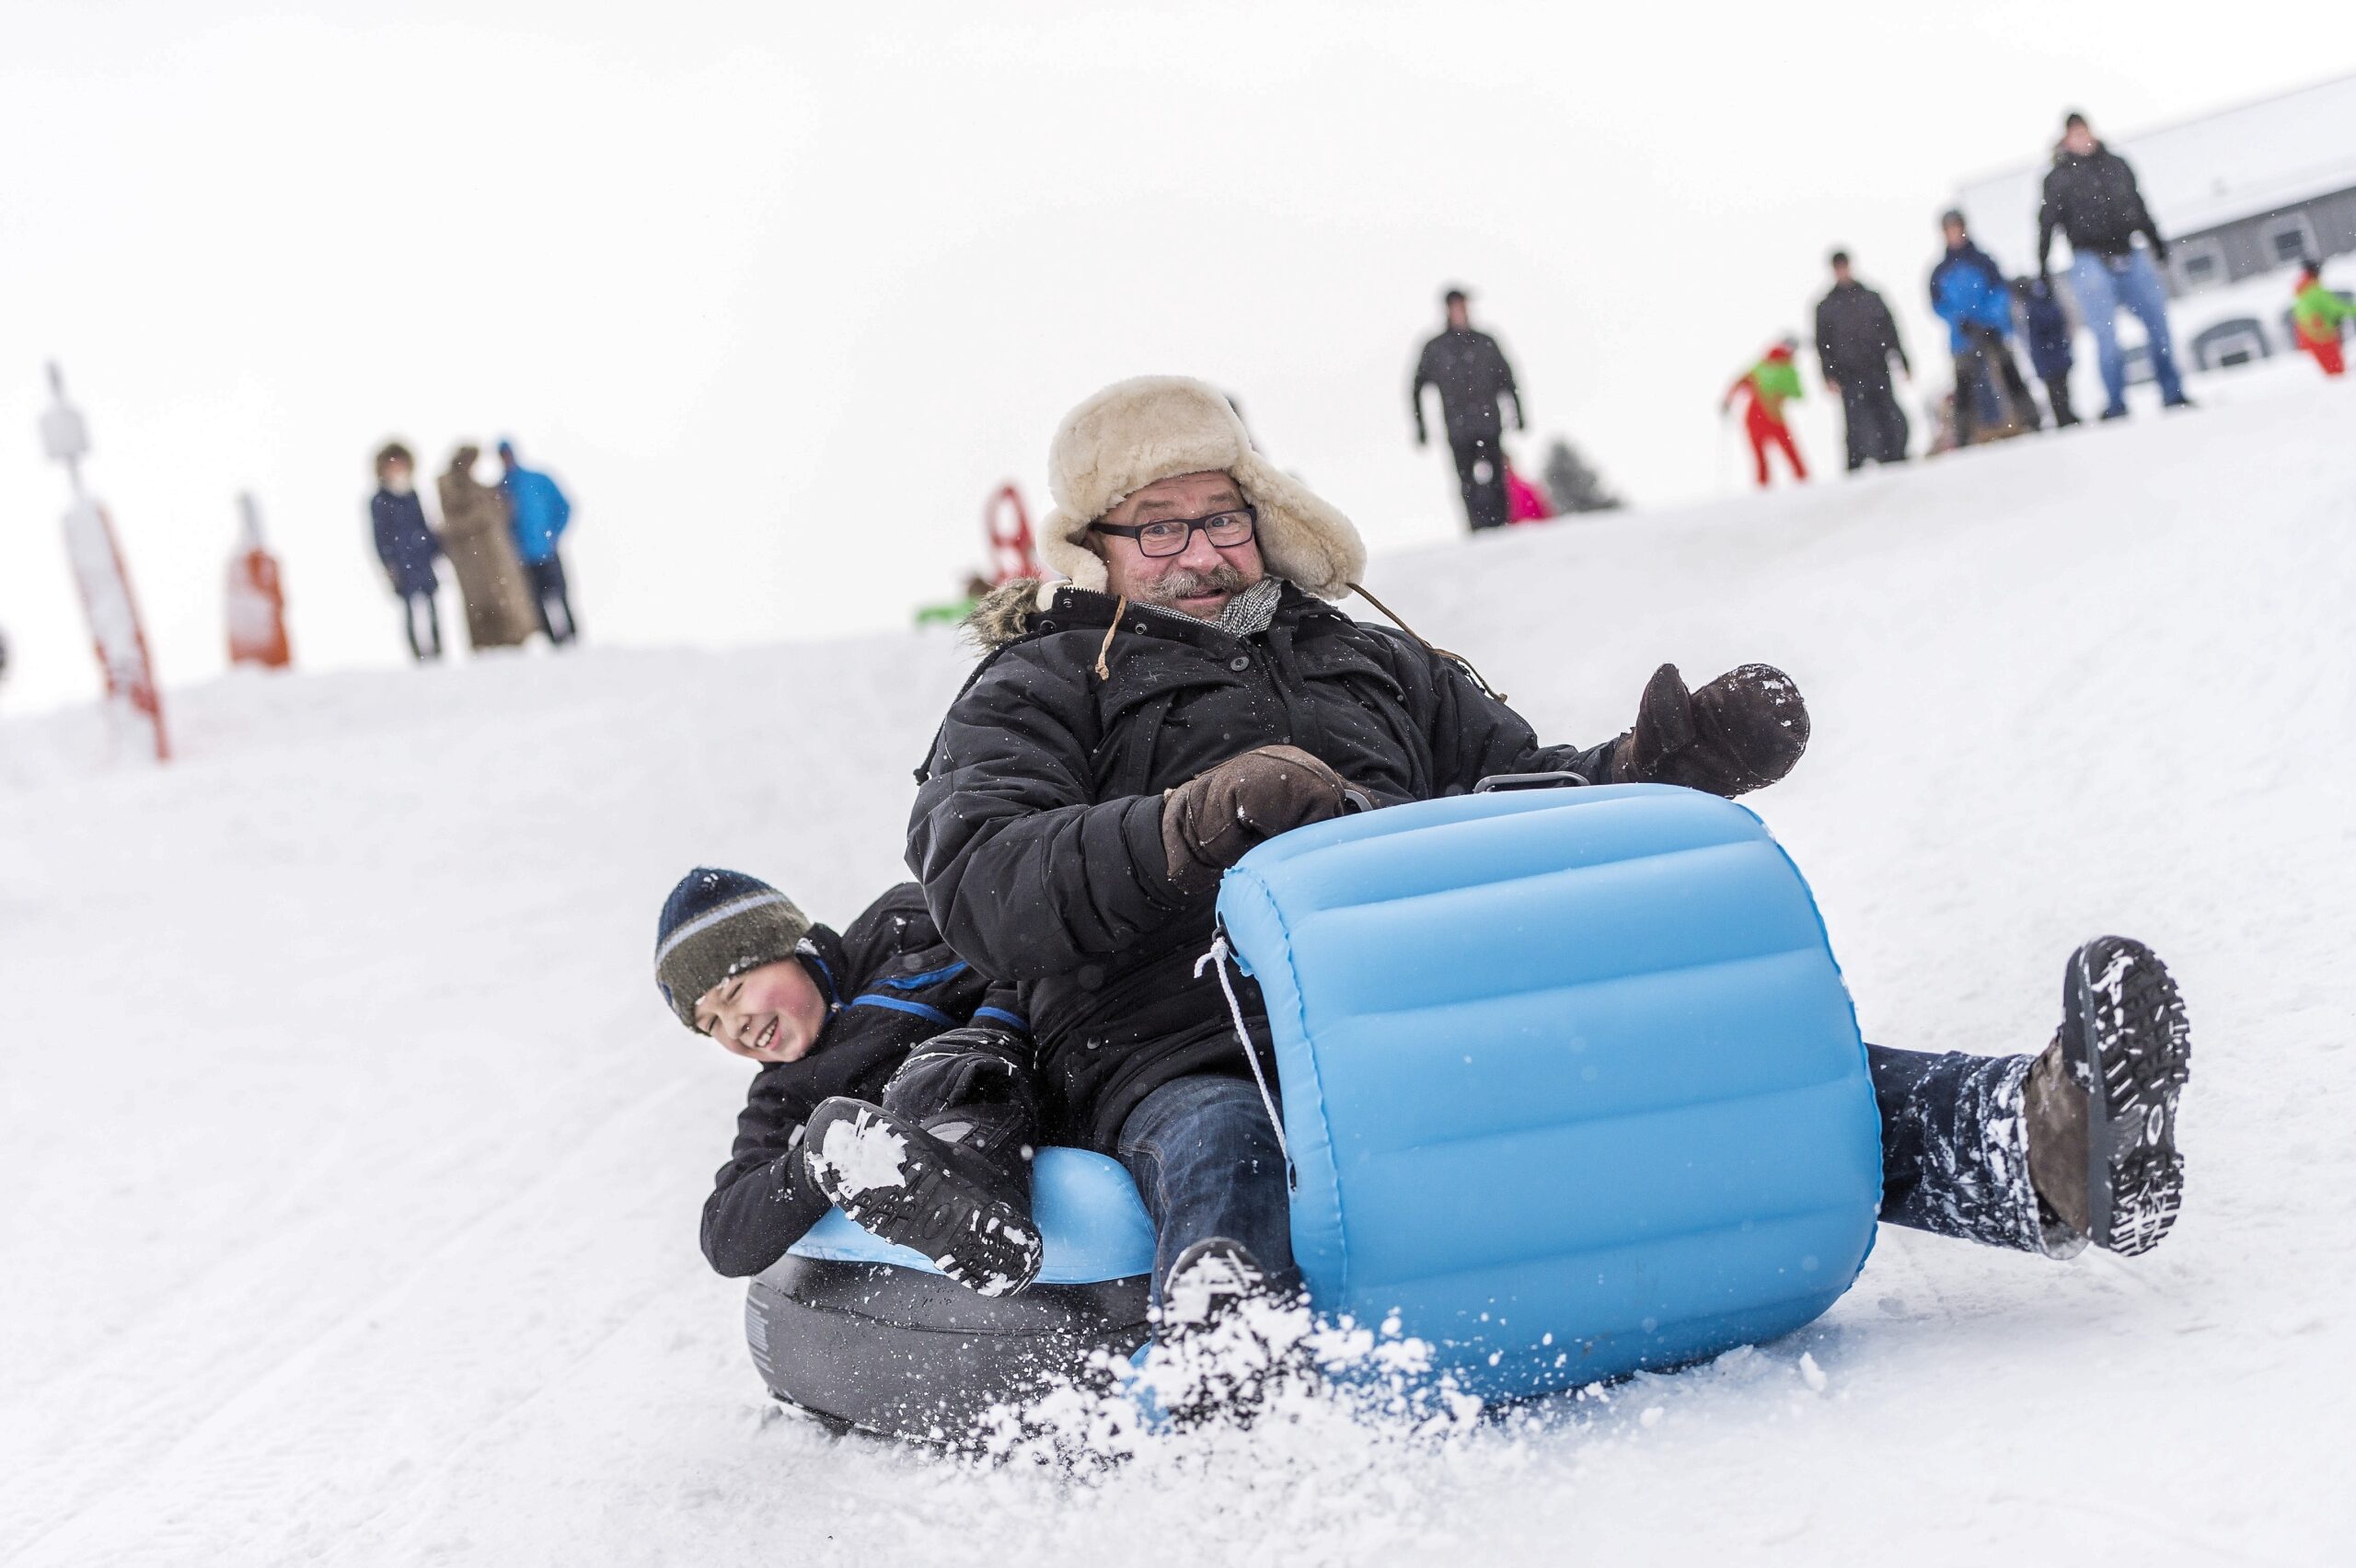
781	296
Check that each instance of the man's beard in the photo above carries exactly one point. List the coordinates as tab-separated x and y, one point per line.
1184	582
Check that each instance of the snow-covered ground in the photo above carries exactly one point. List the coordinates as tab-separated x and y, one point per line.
351	1166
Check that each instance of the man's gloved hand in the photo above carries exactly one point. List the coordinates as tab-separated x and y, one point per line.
1741	731
1210	821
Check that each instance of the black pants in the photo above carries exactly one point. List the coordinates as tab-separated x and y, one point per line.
1876	425
2057	392
1481	475
422	620
1987	369
550	598
1954	1150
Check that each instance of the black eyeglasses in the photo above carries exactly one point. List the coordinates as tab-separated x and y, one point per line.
1170	536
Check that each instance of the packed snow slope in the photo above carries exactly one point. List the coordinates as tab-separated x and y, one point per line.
353	1166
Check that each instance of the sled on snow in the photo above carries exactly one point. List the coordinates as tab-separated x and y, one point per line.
1571	1085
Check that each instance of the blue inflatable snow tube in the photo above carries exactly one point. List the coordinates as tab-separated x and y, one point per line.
1571	1082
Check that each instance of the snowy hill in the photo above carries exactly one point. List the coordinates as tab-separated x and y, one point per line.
352	1165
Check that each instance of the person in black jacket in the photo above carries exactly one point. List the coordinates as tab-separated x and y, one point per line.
881	1052
2091	195
1471	373
1190	692
1123	742
1855	340
408	549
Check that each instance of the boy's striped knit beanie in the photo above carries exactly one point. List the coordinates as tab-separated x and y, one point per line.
716	923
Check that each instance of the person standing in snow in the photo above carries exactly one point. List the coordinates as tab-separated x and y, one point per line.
1969	291
1772	382
537	514
2049	343
1855	340
406	546
2320	316
2091	195
1190	693
879	1031
1471	373
476	537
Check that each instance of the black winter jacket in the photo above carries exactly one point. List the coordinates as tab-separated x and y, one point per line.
1855	335
1037	827
2095	201
891	983
1470	371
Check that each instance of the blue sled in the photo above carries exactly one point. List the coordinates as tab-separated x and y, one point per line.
1571	1085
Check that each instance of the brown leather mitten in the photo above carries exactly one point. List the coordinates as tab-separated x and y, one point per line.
1210	821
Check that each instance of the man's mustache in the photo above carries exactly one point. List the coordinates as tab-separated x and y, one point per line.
1185	582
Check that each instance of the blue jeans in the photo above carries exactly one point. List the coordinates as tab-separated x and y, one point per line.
1207	1164
2103	283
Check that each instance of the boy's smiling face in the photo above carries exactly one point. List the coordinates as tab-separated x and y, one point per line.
769	1014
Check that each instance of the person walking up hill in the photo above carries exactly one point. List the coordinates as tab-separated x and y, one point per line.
1772	382
1856	340
1471	373
1969	291
2049	343
476	537
2320	316
2091	195
538	513
407	547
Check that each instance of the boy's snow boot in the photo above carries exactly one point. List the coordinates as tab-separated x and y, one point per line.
950	1192
2101	1100
1225	1339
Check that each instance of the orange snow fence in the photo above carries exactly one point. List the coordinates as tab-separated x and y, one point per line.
257	607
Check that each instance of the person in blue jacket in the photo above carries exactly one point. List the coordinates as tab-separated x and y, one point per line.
1969	291
408	549
2049	343
537	511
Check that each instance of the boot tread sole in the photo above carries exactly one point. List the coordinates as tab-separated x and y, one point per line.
2130	1046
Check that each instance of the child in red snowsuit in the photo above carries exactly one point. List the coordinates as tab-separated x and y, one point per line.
2318	313
1772	382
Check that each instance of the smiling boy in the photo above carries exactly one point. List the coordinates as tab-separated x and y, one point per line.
893	1079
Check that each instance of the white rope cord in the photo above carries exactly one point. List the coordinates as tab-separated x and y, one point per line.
1217	955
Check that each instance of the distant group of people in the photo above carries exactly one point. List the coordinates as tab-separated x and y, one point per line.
2090	195
501	538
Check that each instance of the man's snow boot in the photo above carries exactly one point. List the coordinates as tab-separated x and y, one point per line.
947	1192
2101	1100
1225	1339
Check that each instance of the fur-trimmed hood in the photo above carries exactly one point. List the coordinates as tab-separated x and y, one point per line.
1004	614
1156	427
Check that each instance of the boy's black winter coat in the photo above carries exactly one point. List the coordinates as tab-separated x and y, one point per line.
1037	827
892	983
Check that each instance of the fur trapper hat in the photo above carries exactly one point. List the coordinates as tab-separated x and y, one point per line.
1157	427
